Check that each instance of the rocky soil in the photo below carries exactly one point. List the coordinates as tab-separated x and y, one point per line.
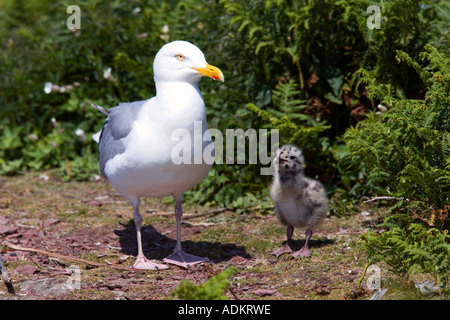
89	221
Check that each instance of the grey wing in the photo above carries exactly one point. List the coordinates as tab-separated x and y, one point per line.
316	192
117	126
317	197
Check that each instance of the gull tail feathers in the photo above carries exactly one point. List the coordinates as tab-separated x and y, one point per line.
101	109
96	136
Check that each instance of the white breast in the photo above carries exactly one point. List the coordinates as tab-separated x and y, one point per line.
148	167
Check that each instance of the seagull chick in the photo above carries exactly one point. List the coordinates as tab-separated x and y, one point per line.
137	141
299	201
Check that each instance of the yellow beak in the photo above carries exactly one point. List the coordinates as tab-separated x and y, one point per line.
211	71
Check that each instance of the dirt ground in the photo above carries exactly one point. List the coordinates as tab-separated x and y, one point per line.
90	221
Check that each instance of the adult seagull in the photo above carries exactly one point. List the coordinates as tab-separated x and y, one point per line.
140	148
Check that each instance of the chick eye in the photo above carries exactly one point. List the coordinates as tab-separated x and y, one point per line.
292	157
180	57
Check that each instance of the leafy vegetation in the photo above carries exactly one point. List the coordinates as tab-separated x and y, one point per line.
406	150
409	247
212	289
406	153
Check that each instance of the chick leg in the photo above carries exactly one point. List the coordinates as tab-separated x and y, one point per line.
304	251
286	248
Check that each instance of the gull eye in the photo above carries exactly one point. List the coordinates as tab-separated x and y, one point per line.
180	57
292	157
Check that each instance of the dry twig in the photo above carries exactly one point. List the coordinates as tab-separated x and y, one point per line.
194	215
207	213
71	259
382	198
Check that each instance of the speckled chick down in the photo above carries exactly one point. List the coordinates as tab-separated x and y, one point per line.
299	201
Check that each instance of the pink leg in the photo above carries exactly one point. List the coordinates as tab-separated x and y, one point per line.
304	251
179	257
141	261
286	248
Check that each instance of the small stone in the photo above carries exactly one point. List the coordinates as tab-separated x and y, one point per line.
46	288
4	220
94	203
32	233
13	236
237	259
5	230
26	269
49	222
265	292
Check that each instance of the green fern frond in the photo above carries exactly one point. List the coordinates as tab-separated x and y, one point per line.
213	289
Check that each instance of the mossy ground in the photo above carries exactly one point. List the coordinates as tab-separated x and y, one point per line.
89	220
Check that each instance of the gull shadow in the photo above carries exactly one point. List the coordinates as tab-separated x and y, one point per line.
158	246
313	243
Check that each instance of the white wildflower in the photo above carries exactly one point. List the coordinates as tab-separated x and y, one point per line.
107	73
48	86
80	133
165	32
33	137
